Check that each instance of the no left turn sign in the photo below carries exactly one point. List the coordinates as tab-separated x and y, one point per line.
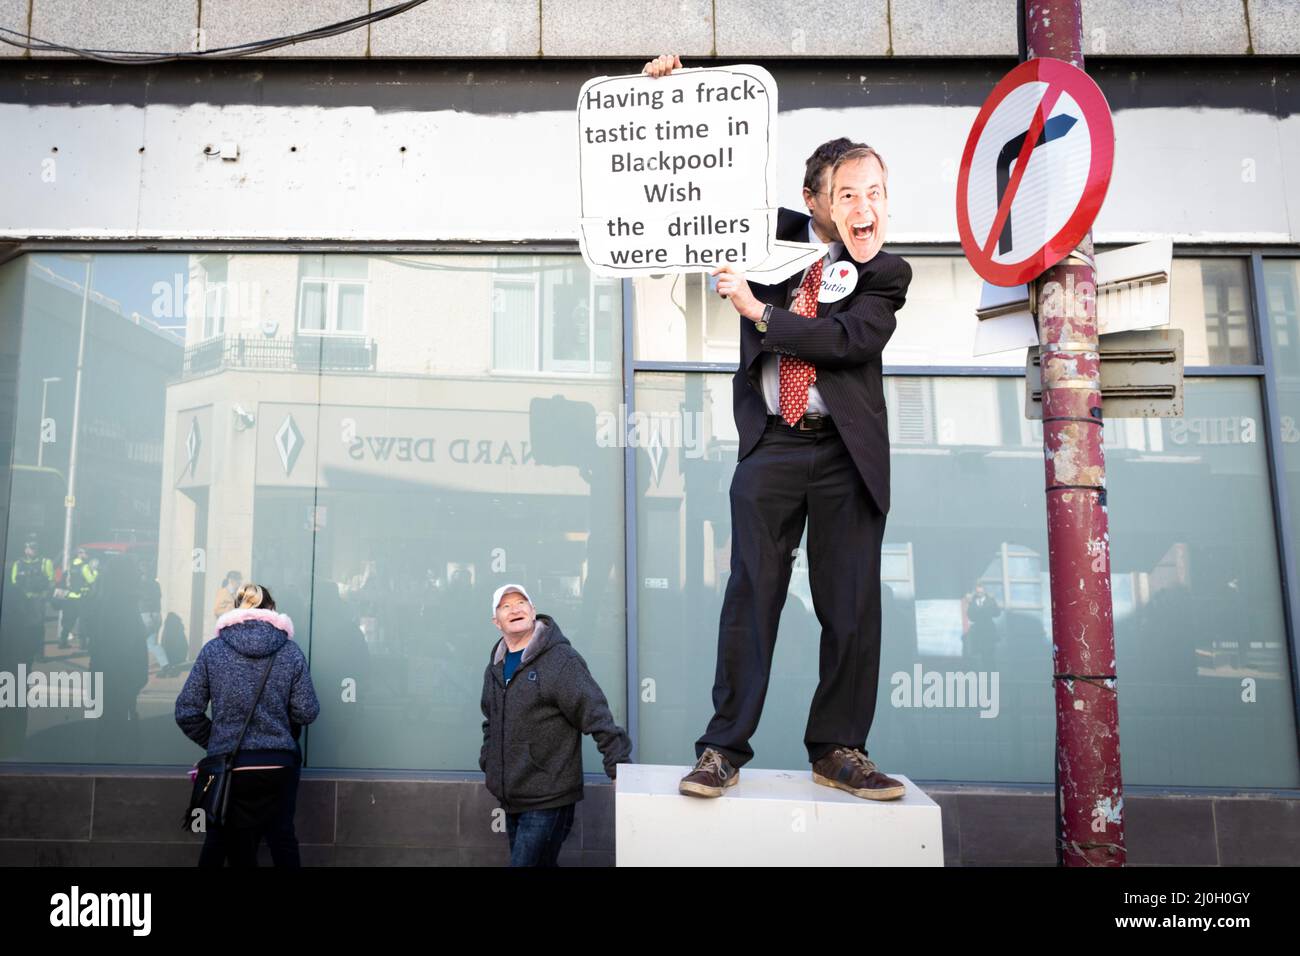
1034	172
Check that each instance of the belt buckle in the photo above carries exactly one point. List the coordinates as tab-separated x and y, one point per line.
810	423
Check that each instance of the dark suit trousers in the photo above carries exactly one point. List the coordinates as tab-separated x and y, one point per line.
791	476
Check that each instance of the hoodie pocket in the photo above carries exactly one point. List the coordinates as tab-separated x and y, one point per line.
532	760
492	772
528	778
523	777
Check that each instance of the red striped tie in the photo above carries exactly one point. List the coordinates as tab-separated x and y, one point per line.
796	374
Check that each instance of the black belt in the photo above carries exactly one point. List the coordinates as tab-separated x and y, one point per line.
811	422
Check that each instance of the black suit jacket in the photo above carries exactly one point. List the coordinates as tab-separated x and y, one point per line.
844	342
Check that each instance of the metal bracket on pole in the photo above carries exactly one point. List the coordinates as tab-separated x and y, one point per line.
1074	418
1086	384
1079	346
1141	373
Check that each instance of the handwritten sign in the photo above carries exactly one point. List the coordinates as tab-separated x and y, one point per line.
677	174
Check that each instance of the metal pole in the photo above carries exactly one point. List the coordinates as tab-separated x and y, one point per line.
70	502
631	506
1089	790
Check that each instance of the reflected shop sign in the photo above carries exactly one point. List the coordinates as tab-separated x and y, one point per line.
193	462
302	445
1222	430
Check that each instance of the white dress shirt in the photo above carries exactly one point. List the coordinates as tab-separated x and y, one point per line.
771	363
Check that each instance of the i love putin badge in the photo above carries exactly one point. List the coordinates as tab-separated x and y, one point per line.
838	280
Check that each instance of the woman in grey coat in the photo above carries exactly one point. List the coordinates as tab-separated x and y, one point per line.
226	673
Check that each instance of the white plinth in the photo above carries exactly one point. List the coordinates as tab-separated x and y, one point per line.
769	818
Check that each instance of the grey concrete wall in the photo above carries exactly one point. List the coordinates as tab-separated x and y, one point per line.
635	28
65	818
13	16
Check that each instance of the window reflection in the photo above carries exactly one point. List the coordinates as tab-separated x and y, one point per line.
551	315
365	434
332	293
383	439
937	325
965	688
679	320
1210	303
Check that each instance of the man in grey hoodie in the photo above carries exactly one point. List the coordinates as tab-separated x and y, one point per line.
538	701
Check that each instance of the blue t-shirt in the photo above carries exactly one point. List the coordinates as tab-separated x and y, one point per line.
512	662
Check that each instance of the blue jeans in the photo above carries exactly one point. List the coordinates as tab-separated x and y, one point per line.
537	835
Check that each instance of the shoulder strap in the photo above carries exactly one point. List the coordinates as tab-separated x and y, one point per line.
249	719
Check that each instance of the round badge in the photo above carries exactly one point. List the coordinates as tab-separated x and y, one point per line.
838	280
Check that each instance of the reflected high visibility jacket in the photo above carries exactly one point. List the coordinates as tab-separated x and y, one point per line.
34	576
81	578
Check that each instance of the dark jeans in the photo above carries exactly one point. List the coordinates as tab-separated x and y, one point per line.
537	835
792	477
262	804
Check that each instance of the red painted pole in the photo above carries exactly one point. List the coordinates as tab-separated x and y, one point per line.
1089	789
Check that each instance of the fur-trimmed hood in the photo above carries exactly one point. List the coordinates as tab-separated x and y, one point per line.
254	631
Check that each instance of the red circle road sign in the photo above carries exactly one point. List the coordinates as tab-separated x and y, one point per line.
1034	172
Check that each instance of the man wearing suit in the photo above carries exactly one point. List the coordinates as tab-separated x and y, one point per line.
814	446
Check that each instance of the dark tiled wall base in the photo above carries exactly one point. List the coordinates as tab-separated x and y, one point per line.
118	820
1009	828
48	819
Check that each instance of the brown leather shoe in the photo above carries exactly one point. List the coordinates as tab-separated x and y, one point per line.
713	773
852	770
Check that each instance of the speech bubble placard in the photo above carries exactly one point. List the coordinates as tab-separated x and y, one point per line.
677	174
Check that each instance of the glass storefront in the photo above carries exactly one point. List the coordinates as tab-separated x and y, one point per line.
1197	593
1282	314
344	429
383	439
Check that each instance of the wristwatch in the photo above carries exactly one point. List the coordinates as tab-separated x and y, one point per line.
761	324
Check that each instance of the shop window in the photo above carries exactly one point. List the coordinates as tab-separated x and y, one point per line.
214	273
910	405
1197	601
332	294
678	320
552	316
364	468
1210	302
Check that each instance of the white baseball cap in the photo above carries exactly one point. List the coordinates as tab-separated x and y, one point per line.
503	591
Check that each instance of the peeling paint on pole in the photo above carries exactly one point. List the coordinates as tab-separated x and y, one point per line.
1089	791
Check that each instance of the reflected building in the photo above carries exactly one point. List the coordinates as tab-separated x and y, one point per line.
1197	606
350	425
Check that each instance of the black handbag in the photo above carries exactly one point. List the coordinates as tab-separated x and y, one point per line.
211	792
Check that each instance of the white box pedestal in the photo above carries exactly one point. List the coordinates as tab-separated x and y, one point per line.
769	818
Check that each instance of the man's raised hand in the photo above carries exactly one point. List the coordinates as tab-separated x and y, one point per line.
662	65
732	285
